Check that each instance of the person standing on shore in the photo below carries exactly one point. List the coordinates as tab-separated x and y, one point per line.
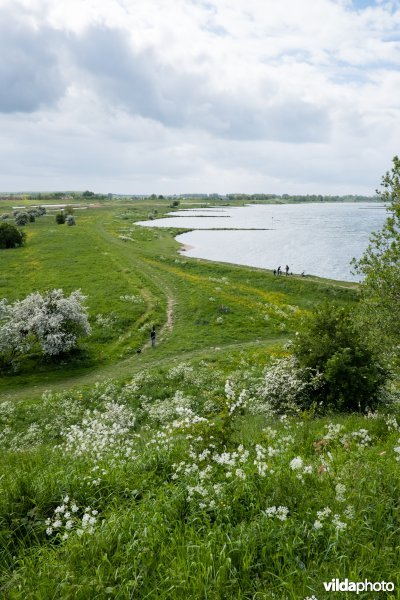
153	336
278	271
287	270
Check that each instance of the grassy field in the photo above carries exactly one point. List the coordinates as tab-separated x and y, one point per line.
163	474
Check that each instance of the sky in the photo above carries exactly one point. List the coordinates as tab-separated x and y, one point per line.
199	96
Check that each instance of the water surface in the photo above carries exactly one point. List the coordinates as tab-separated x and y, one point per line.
318	238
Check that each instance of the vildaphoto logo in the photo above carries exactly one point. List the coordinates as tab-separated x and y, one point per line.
337	585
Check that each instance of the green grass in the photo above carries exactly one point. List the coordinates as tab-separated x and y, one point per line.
162	530
208	304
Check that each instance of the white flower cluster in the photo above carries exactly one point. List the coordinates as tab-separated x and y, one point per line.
340	490
334	431
284	387
277	512
52	320
181	371
234	404
392	424
132	298
360	438
105	321
164	411
324	517
296	464
68	517
102	434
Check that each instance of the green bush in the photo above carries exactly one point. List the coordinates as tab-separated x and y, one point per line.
351	374
60	218
22	218
10	236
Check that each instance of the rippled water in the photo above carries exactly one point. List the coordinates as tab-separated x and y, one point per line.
320	239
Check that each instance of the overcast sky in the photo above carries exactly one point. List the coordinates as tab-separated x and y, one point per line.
175	96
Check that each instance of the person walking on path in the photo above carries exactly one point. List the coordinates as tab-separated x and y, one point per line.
153	336
279	271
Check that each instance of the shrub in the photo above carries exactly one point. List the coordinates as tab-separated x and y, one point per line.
351	375
22	218
53	321
10	236
60	218
5	216
70	220
41	210
175	203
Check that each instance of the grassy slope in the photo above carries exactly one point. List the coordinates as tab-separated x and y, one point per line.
151	540
93	257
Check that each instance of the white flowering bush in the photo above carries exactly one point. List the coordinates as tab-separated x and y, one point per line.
285	388
51	320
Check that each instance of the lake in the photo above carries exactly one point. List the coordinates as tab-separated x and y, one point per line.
318	238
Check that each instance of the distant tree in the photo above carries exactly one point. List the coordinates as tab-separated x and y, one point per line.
70	220
87	194
175	203
60	218
10	236
41	210
22	218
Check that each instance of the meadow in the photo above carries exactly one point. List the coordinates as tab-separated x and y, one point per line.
165	473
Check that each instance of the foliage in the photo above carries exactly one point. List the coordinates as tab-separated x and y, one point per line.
53	321
122	499
70	220
380	267
60	218
286	388
5	216
22	218
332	345
175	203
10	236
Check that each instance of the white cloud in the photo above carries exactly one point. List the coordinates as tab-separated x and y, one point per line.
194	95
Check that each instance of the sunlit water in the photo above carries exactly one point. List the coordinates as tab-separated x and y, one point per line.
319	239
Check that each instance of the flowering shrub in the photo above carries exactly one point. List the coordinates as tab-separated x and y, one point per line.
285	388
50	320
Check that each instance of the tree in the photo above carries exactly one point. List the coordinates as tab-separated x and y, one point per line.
332	345
10	236
22	218
380	267
52	321
60	218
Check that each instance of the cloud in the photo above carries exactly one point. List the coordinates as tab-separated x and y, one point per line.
213	95
144	85
30	73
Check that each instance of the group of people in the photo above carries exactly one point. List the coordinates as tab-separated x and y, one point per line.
278	271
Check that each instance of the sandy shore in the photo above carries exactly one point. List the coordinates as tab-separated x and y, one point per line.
185	247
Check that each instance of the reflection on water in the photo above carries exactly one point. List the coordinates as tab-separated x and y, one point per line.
320	239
